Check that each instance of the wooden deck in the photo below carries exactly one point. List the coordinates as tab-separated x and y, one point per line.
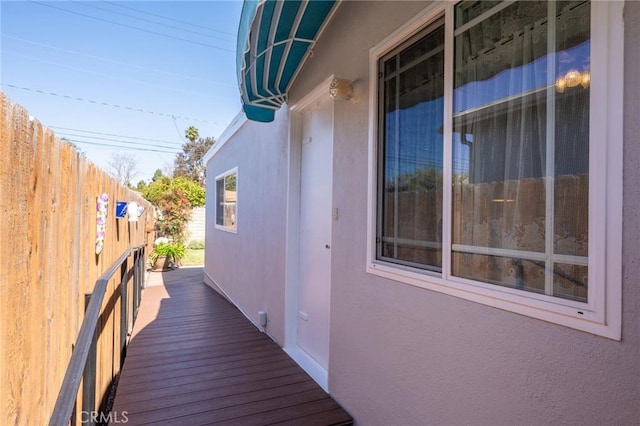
194	359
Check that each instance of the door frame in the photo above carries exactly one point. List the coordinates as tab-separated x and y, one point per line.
308	364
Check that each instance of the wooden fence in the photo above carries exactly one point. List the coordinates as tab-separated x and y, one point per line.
48	263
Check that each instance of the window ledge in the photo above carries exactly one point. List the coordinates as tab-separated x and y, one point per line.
579	316
227	229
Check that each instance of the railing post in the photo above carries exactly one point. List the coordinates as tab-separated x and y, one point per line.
135	285
124	318
143	252
137	282
89	376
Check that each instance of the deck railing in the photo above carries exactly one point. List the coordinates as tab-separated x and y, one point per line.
82	365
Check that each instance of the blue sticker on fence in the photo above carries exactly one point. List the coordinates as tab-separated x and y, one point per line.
121	209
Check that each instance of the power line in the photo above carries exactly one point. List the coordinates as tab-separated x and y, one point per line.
65	134
178	131
170	19
131	26
111	134
108	76
122	107
115	61
130	148
152	22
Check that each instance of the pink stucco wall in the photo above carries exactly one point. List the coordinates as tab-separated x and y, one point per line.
249	265
404	355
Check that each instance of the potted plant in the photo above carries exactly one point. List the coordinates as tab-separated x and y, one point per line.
167	255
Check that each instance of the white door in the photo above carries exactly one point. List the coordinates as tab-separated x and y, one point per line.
314	283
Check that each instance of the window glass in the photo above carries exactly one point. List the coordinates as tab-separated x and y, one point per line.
410	188
521	145
226	200
220	201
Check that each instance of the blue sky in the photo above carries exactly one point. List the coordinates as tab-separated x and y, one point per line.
175	60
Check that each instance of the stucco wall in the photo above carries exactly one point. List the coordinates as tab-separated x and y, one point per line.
196	226
249	265
404	355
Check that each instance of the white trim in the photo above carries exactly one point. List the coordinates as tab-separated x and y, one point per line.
322	90
603	314
230	229
550	154
447	151
615	145
422	19
309	365
235	125
312	367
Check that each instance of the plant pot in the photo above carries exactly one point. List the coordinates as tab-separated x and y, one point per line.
162	263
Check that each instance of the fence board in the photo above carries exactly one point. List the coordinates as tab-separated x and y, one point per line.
47	238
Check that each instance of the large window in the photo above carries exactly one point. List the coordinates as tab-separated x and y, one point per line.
491	156
227	200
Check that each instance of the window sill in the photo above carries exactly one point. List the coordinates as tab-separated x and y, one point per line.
227	229
579	316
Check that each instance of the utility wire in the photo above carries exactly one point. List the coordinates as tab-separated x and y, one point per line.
116	62
111	134
108	76
122	107
130	26
170	19
178	131
65	134
92	5
130	147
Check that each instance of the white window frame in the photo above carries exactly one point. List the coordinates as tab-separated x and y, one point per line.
602	314
232	229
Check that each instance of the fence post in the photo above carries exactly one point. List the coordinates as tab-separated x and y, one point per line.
89	375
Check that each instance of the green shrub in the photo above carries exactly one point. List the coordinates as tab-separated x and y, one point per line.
196	245
193	191
173	251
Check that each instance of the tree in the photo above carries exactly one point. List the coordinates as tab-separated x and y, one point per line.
156	189
193	191
192	133
175	212
157	175
188	163
123	167
141	186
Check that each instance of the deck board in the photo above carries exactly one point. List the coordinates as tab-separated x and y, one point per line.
195	359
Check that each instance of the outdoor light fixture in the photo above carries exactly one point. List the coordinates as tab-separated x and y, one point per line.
573	78
341	89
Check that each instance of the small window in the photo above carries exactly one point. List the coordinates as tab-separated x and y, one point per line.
227	200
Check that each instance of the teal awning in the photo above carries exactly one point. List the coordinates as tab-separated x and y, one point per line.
274	39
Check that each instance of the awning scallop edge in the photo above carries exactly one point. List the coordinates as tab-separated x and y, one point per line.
274	39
